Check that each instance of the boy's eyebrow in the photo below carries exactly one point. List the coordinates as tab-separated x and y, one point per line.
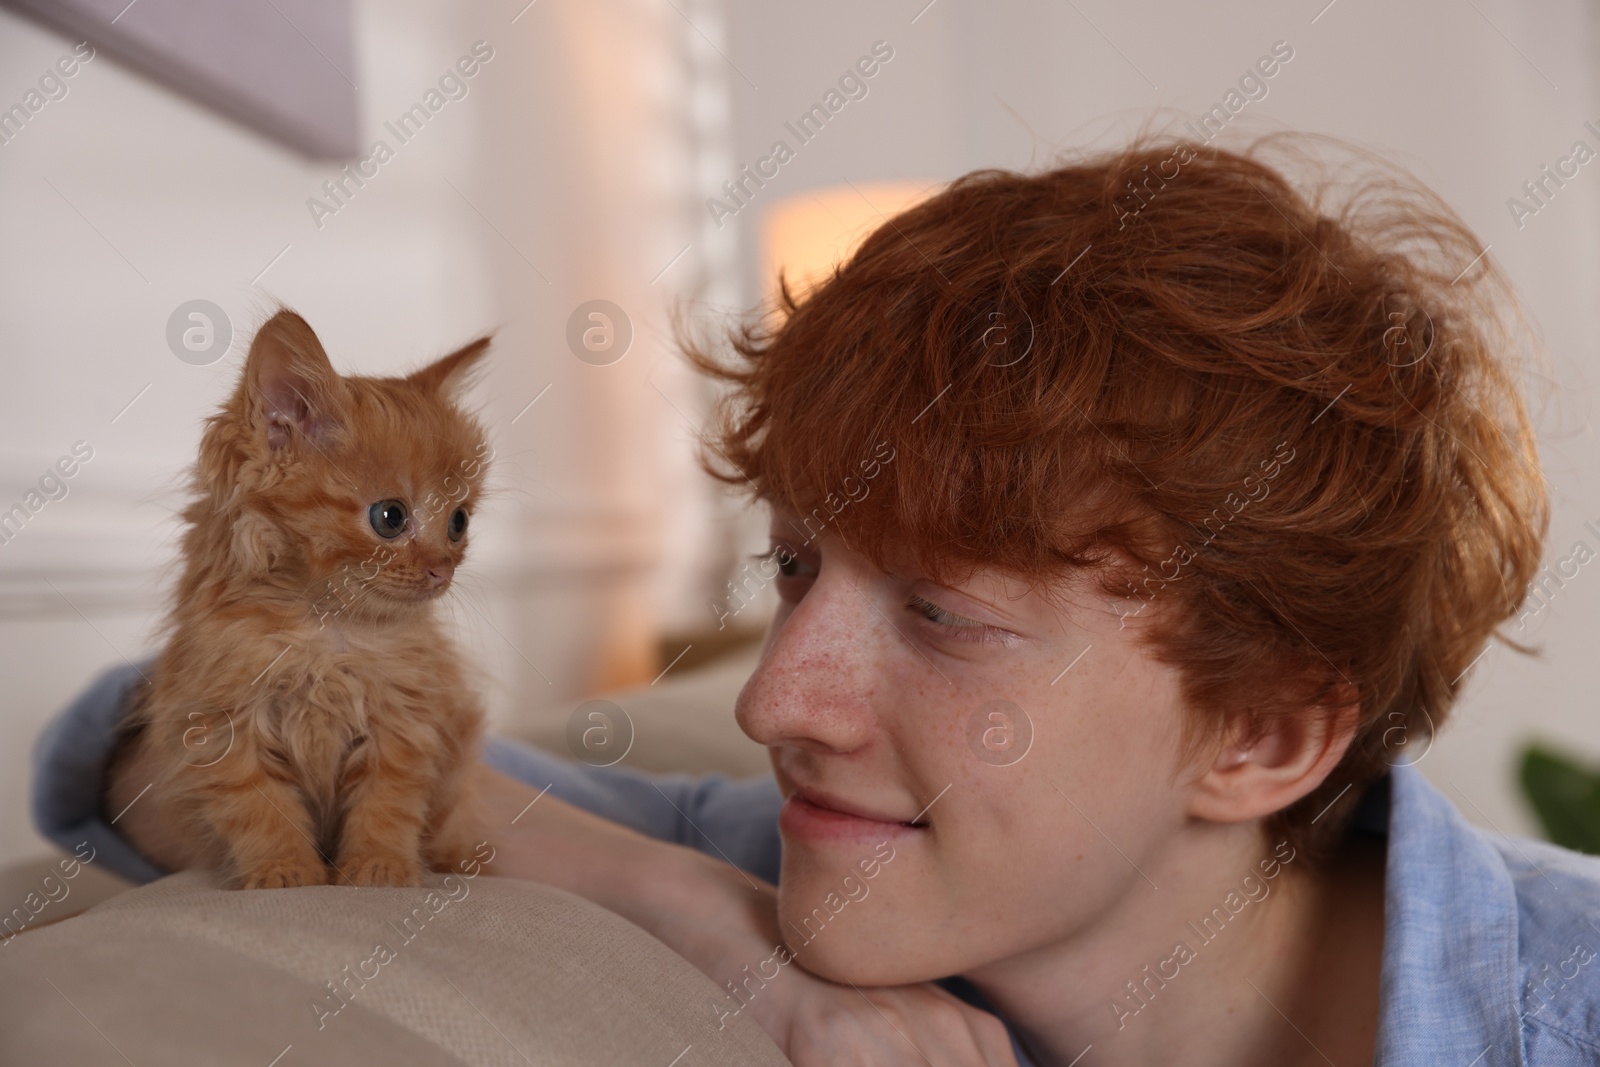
785	518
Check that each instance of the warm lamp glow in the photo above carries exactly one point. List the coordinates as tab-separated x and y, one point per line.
808	234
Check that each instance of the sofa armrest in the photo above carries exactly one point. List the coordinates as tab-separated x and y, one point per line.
463	970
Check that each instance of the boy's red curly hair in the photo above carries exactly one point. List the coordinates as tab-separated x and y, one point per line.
1281	425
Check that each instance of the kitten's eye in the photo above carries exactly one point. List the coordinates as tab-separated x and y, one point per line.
458	523
388	518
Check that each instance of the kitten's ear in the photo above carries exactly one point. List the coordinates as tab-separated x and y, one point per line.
449	375
298	388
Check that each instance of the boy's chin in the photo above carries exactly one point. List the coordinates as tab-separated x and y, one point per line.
864	953
855	965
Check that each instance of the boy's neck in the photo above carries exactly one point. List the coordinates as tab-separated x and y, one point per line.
1287	974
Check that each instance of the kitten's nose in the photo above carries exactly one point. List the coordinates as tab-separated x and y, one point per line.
440	572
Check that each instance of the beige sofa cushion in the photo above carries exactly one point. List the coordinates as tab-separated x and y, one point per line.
683	722
483	971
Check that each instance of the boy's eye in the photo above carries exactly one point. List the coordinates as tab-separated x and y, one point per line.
934	613
957	627
792	574
791	567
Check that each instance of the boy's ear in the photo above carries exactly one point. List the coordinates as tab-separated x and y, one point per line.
295	388
1283	758
449	375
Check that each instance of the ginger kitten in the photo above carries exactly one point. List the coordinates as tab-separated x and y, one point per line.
308	703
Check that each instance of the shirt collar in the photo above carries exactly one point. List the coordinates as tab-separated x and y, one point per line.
1448	993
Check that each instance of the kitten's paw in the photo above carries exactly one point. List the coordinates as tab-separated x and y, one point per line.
286	875
382	870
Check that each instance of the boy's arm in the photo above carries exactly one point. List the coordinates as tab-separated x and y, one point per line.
70	760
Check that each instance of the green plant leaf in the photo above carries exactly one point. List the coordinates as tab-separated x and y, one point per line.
1565	796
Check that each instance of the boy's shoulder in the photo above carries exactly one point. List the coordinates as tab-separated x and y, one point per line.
1558	947
1491	943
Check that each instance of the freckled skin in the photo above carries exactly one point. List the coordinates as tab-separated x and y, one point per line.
863	698
1049	880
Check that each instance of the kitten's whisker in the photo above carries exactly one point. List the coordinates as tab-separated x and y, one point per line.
460	608
469	585
489	618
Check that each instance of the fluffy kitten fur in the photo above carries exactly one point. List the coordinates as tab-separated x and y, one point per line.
308	703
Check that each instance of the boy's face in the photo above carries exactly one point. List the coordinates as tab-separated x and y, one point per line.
970	772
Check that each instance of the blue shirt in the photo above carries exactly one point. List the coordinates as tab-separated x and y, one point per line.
1491	948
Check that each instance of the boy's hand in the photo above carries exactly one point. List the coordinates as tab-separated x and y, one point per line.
820	1024
145	820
